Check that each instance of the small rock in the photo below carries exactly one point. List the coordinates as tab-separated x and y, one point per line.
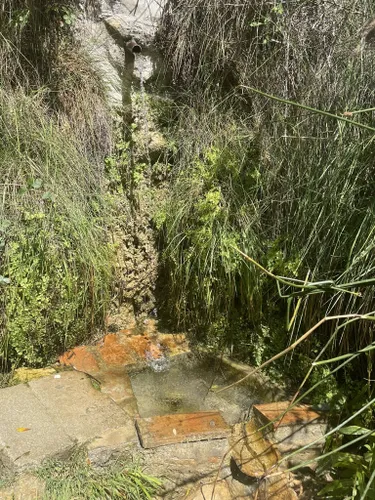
252	453
215	491
126	27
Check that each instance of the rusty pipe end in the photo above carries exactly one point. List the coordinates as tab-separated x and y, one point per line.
133	46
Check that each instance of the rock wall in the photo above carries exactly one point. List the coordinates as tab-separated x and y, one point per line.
104	28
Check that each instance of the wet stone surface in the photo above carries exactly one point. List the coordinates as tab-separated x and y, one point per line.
181	428
190	384
144	392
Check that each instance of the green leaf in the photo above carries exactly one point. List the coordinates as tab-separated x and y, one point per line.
348	460
337	489
4	224
37	184
4	281
48	196
354	430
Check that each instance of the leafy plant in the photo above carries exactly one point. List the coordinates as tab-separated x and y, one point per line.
310	210
55	259
353	472
210	207
354	469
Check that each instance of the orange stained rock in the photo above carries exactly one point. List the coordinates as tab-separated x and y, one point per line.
154	351
114	353
127	332
181	428
125	348
142	344
82	359
174	343
117	350
279	414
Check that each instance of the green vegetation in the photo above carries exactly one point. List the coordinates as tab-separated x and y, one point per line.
275	161
279	172
55	260
210	210
77	478
269	216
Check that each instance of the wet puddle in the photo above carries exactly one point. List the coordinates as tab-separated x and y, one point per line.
189	384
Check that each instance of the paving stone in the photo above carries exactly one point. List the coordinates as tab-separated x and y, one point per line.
82	411
278	412
106	448
181	465
292	429
28	433
167	429
117	385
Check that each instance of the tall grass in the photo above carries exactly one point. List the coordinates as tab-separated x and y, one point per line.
348	453
77	478
55	130
211	208
297	81
310	211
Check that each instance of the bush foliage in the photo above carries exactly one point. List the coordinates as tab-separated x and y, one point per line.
308	210
55	260
275	161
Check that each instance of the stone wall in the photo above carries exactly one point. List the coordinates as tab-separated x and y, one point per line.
104	28
104	31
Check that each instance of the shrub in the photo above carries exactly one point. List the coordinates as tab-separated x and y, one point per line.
268	67
55	253
55	130
211	209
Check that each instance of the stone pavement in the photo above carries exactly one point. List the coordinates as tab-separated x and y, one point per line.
50	416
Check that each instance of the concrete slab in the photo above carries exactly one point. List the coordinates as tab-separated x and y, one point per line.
83	412
28	434
106	448
292	429
180	466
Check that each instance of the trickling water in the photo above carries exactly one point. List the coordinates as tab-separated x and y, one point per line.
158	365
139	64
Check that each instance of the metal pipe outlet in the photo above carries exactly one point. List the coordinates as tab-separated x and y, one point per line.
133	46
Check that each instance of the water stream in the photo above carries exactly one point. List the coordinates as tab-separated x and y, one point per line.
139	65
